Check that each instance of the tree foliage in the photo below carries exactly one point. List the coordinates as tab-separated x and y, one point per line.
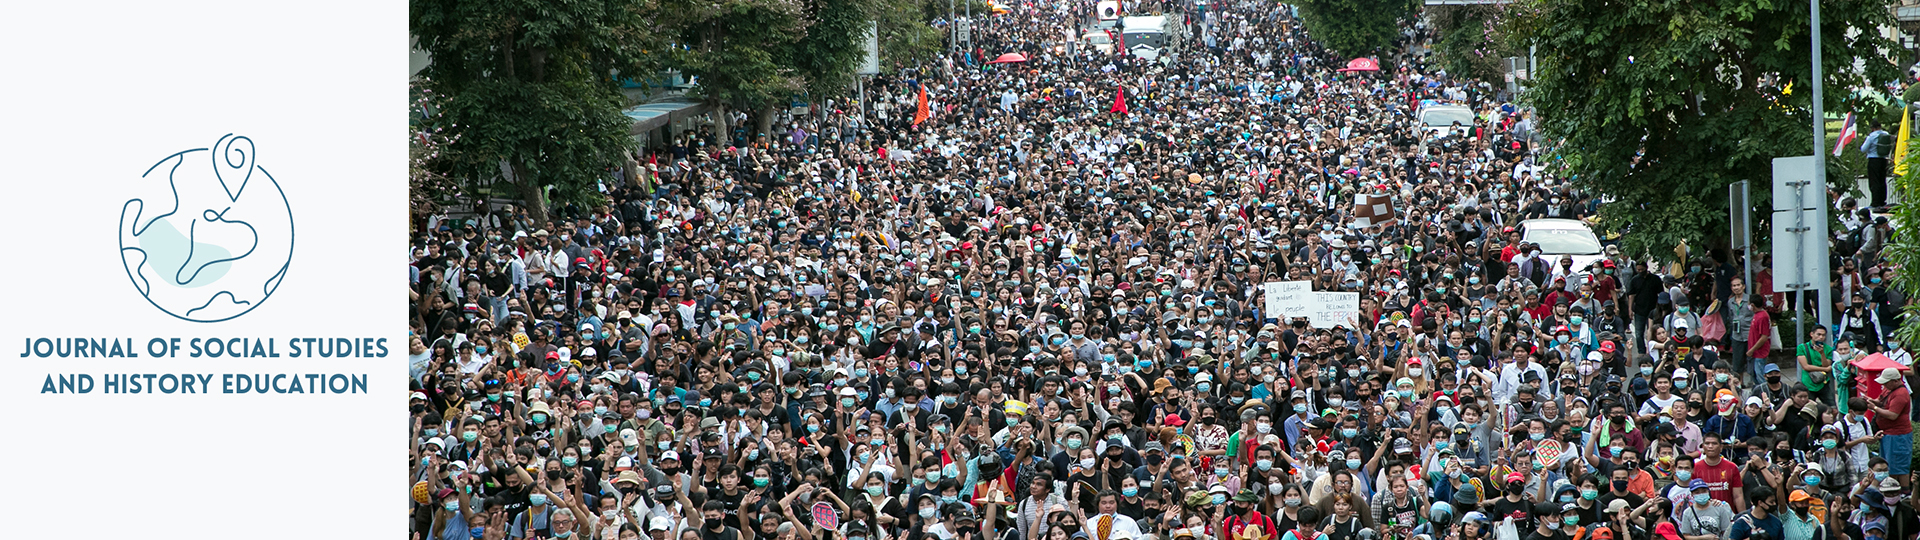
733	48
1355	27
1466	43
905	36
1661	103
526	90
1903	253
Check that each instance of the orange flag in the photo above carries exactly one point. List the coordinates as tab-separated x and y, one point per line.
920	113
1119	101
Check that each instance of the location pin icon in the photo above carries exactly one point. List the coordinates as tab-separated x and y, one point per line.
233	163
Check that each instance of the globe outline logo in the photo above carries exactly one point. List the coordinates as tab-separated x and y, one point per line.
218	249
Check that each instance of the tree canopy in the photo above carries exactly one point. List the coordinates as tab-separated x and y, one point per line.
523	91
1660	104
1355	27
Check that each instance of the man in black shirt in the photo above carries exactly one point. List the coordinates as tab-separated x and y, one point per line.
713	524
1550	525
1513	503
1642	295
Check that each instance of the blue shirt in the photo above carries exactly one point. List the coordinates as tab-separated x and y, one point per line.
456	527
1744	524
1872	145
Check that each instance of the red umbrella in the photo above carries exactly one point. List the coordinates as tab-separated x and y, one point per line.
1362	64
1009	58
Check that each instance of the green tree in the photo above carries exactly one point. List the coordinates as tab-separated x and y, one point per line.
905	36
528	102
1355	27
732	49
833	46
1903	253
1659	104
1466	43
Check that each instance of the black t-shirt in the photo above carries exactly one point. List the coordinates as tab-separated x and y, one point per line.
714	493
1348	530
1521	511
725	533
1556	534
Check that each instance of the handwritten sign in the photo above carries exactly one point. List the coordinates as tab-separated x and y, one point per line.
1288	299
1327	309
825	517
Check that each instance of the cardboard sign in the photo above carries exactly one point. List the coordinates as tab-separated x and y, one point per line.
1287	299
1327	309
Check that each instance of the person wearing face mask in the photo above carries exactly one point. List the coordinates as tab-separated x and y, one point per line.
1761	518
1553	522
1805	518
1703	517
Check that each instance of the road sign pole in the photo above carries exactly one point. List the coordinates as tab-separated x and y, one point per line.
1746	263
1820	171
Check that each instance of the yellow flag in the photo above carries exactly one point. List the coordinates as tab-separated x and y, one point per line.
1900	145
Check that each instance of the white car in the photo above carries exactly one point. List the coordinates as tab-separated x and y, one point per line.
1437	119
1099	41
1558	237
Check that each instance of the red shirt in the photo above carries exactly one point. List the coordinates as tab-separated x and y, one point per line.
1899	401
1721	479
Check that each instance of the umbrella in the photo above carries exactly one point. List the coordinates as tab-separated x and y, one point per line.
1009	58
1362	64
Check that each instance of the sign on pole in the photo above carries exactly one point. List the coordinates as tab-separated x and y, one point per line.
870	64
1799	225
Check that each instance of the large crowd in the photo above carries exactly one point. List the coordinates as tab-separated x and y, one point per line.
1026	315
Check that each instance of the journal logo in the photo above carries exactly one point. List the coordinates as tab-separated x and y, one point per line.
210	235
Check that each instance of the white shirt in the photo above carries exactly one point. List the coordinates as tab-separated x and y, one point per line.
1120	523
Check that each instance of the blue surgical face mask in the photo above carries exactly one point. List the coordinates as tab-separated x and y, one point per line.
1349	433
1353	464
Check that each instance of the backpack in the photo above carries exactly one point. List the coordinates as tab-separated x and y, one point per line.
1856	238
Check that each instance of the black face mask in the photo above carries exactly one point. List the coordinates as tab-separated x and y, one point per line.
418	408
1619	485
554	474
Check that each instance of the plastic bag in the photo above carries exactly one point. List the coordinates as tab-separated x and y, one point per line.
1506	530
1712	327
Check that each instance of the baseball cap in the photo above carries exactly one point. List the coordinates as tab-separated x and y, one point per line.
1887	375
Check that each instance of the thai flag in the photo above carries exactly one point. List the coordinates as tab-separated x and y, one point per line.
1847	133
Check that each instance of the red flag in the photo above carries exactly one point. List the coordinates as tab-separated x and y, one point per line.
920	113
1119	101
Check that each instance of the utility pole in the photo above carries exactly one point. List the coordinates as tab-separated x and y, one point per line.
1820	166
